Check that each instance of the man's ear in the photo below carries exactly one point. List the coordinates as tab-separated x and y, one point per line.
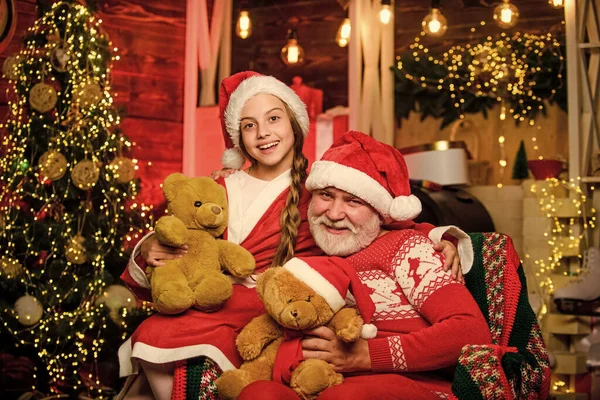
262	279
171	183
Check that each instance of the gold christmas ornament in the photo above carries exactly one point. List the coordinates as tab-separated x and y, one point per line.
88	94
29	310
10	266
60	57
53	165
75	251
9	68
85	174
123	169
117	297
42	97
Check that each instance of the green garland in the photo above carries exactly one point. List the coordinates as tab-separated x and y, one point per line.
524	72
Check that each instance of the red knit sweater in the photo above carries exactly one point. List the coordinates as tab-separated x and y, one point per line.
423	316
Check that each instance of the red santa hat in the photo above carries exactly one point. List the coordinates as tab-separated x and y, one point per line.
370	170
235	92
331	278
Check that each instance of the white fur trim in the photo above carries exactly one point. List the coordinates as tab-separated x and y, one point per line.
405	207
128	355
465	247
233	158
369	331
325	174
260	84
316	282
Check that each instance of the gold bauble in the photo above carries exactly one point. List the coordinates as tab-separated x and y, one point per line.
75	251
53	165
29	310
117	297
9	68
88	94
42	97
85	174
123	169
10	266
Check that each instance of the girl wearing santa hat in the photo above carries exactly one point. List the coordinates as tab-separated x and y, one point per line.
264	122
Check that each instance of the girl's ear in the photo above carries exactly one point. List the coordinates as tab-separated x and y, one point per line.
262	279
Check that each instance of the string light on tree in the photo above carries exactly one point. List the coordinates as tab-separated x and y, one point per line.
66	206
342	37
506	14
292	53
385	13
243	27
434	23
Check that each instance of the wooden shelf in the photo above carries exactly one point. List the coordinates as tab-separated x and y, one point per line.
565	324
570	363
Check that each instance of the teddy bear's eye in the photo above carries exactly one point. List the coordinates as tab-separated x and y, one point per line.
198	204
289	301
308	299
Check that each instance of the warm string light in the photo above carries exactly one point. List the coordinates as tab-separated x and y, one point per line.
557	3
292	53
496	69
385	12
435	24
563	236
39	217
506	14
342	37
243	27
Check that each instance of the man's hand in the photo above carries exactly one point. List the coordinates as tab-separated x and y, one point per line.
345	357
155	253
452	259
222	173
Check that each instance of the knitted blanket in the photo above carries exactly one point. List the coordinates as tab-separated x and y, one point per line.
516	366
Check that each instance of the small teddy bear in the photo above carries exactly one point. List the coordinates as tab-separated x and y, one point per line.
197	217
303	294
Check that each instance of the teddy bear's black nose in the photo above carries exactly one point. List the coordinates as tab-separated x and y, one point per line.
294	313
216	210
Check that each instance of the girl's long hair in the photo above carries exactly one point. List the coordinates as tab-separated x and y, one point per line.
290	216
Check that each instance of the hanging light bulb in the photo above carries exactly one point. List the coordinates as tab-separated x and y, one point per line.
434	23
343	34
292	53
243	28
506	14
557	3
385	14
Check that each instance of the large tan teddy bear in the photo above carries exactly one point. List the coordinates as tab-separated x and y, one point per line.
198	215
304	294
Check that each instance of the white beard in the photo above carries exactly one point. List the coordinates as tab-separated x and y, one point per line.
352	241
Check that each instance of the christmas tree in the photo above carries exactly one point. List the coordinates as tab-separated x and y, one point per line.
520	168
67	207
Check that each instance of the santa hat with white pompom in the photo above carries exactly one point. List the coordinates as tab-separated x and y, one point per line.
235	92
331	278
370	170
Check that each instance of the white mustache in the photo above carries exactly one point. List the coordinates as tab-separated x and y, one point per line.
342	224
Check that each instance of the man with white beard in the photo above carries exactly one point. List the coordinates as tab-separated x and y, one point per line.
423	316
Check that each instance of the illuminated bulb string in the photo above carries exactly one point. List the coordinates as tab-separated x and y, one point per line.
39	216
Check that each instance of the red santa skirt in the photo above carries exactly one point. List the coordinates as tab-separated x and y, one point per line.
167	338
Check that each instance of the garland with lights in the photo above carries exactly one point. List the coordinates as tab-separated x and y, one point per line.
521	72
563	237
68	212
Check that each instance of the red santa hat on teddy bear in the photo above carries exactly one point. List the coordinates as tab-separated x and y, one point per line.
370	170
331	278
235	92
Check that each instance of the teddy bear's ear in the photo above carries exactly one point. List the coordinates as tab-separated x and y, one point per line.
171	183
262	279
